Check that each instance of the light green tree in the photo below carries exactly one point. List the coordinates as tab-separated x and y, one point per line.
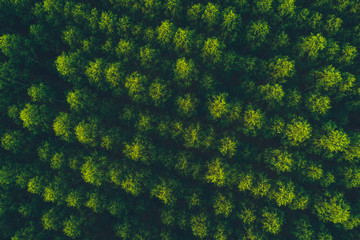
63	127
332	208
185	72
222	205
257	33
311	45
279	160
187	105
218	106
271	222
87	132
136	83
228	147
211	15
328	78
212	50
217	173
72	227
199	225
318	105
297	131
280	68
166	32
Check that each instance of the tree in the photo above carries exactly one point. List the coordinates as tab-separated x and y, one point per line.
148	57
124	49
279	160
311	45
51	220
257	33
183	40
92	170
138	151
40	93
114	74
318	105
332	208
348	54
212	50
228	147
297	131
263	6
185	72
164	192
284	193
95	73
281	68
210	15
63	127
159	92
272	94
72	227
218	107
252	120
303	229
13	141
199	225
166	32
222	205
187	105
87	132
286	8
333	140
136	83
81	100
74	198
217	172
328	78
35	118
271	221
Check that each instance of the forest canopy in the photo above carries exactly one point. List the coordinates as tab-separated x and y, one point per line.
179	119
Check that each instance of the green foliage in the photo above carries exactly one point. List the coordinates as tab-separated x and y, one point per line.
218	107
166	32
149	119
187	105
212	50
280	68
185	72
279	160
228	147
311	45
92	170
72	227
253	121
39	93
257	33
35	118
217	172
318	105
12	141
199	225
87	132
297	131
136	83
332	208
271	222
222	205
333	140
63	127
328	78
